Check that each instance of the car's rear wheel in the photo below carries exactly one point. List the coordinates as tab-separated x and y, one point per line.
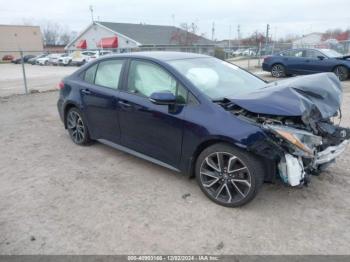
76	126
278	70
228	176
341	72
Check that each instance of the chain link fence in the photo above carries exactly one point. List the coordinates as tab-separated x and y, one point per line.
251	56
24	72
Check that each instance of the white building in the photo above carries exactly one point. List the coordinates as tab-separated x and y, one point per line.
125	37
309	40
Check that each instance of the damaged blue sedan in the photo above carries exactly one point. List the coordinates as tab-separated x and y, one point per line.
207	118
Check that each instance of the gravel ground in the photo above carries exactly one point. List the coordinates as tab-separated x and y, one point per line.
39	78
59	198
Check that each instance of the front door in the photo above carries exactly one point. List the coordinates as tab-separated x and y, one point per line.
150	129
313	62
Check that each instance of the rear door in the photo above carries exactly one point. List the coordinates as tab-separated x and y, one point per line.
294	61
99	95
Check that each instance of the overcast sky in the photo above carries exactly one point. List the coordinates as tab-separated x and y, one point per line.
284	16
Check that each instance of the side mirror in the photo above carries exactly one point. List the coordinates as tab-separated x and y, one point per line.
321	57
163	98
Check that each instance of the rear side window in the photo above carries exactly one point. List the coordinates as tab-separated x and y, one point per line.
108	73
291	53
90	74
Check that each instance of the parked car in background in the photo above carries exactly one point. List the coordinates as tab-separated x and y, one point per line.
202	116
53	58
81	57
98	54
25	59
7	58
238	52
307	61
249	52
65	59
43	60
33	60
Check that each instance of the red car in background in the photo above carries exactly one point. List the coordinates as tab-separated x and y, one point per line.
7	58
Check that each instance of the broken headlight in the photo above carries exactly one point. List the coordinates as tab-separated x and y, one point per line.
302	142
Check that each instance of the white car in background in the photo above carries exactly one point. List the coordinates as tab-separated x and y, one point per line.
100	53
81	57
47	60
54	58
42	61
238	52
249	52
65	59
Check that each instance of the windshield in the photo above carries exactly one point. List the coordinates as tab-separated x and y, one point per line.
331	53
217	79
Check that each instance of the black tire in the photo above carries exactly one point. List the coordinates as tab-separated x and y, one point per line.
341	72
77	128
278	70
241	184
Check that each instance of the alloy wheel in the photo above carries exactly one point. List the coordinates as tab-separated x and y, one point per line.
225	177
277	71
341	72
76	127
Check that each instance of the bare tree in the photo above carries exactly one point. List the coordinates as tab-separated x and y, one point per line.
67	36
51	33
186	34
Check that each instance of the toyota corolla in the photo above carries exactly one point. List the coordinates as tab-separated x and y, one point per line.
207	118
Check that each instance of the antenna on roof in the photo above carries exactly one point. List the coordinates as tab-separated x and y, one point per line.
91	8
173	19
213	31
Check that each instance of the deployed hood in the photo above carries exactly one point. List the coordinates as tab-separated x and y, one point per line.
313	97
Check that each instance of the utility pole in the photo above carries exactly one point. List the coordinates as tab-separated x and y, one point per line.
213	31
267	36
92	12
173	19
229	38
239	35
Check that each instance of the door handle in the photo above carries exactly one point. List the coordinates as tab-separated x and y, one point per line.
124	103
86	91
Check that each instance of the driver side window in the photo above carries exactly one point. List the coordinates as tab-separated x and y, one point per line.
145	78
312	54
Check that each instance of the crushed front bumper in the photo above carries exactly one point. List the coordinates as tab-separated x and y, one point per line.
293	172
330	153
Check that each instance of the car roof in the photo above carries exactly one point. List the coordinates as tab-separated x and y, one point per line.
161	55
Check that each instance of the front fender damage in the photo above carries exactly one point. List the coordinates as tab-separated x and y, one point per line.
300	119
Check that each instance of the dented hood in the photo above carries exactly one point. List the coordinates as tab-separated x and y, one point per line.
313	97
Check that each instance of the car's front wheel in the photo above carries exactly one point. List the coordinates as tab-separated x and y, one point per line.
76	126
229	176
278	71
341	72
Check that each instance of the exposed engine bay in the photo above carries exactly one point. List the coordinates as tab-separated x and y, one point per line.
301	119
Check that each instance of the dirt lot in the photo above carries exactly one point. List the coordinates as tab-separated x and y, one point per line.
59	198
39	78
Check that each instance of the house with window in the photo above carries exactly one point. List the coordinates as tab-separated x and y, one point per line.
125	37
